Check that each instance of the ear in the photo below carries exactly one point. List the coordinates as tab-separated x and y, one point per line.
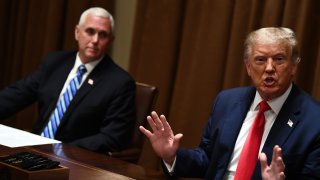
294	68
76	32
111	40
248	66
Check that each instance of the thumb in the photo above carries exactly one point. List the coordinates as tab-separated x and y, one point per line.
177	139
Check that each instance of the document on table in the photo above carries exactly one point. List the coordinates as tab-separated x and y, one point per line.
12	137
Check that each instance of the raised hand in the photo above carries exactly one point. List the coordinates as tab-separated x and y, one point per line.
163	141
276	169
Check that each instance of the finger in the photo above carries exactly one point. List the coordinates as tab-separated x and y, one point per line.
152	124
278	156
263	162
165	124
157	120
282	176
275	153
280	164
277	150
145	132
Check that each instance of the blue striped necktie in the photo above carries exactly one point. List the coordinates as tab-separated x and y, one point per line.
63	103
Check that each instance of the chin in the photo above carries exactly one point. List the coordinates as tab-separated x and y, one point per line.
268	93
272	95
93	56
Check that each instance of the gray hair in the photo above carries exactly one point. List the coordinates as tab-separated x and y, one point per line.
96	11
272	35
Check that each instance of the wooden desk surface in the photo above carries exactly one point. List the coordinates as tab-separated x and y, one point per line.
88	165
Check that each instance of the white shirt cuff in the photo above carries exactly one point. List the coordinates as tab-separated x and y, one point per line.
169	167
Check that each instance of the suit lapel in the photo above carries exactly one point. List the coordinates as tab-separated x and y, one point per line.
60	76
88	84
233	124
285	123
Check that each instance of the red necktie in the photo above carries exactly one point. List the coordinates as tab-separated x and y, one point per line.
249	154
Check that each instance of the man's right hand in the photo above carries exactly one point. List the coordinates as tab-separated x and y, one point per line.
163	141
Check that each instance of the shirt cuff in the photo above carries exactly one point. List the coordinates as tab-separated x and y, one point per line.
169	167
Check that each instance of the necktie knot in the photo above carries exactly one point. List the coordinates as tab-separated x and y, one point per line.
82	69
264	106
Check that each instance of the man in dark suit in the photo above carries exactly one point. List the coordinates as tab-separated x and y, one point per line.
291	121
100	116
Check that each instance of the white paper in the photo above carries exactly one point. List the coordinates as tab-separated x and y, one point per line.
12	137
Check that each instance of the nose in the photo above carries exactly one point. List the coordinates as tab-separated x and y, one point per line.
269	65
95	38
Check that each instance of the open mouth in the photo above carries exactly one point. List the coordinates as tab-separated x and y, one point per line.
269	81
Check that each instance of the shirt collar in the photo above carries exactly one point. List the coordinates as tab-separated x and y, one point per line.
89	66
275	103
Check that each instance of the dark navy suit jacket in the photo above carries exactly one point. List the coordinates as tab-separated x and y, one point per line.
101	115
300	143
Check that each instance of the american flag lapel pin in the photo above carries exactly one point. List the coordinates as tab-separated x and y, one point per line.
90	81
290	123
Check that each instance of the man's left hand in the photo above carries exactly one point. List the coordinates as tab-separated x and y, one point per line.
276	169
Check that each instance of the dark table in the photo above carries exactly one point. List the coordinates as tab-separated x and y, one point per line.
87	165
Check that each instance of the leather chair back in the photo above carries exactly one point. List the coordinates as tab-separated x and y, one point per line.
145	100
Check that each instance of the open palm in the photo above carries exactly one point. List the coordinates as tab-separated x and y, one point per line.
163	141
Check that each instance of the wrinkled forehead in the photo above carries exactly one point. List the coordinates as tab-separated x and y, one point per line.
272	46
94	19
269	48
97	22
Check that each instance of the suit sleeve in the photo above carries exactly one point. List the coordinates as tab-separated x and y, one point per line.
311	169
19	95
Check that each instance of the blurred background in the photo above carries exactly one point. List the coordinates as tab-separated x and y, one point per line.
189	49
